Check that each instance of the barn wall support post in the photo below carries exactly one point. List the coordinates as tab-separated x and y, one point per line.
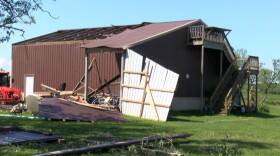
256	92
202	79
86	74
248	93
122	77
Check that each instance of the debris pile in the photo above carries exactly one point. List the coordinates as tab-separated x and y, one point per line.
98	100
104	100
18	109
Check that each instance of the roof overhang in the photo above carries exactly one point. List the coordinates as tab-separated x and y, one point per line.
211	28
104	50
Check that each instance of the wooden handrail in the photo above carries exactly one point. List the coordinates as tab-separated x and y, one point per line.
221	85
230	55
238	84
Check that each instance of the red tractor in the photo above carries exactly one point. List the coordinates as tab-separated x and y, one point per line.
8	95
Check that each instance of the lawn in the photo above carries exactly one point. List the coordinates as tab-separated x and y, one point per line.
250	134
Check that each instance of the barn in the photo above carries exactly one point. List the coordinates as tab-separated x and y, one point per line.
209	75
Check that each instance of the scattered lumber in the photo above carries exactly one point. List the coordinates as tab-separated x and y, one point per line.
56	92
77	87
62	95
104	85
111	145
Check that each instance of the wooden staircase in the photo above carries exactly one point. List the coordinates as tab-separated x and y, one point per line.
235	77
231	85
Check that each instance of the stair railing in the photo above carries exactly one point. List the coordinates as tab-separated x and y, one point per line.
229	51
220	88
238	84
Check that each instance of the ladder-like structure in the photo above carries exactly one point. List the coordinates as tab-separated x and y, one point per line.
232	81
231	85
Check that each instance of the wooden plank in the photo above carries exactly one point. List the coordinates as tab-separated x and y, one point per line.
145	103
65	93
112	145
152	89
202	79
134	72
104	85
84	103
145	81
152	103
50	89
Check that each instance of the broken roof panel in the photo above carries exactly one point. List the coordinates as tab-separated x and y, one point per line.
130	38
82	34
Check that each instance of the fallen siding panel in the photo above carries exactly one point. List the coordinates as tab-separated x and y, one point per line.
15	135
158	78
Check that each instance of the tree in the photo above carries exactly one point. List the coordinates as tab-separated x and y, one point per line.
17	12
268	78
241	55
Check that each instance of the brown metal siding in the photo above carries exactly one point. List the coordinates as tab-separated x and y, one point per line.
54	64
172	52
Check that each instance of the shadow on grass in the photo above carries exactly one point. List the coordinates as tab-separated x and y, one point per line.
184	115
205	147
257	114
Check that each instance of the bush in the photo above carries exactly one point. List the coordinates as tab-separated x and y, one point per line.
264	109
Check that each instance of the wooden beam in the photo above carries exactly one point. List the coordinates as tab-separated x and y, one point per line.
84	103
88	87
256	92
152	89
134	72
104	85
144	89
112	145
248	92
130	86
145	103
242	97
202	77
152	103
83	77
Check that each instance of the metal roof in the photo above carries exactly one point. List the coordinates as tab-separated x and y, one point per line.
81	34
133	37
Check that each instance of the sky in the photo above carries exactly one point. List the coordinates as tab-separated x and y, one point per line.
254	23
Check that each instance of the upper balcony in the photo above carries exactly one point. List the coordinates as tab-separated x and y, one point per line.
210	37
251	64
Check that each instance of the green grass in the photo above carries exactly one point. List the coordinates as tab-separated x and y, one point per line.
252	134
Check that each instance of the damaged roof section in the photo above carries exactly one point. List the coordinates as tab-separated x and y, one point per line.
82	34
133	37
16	135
